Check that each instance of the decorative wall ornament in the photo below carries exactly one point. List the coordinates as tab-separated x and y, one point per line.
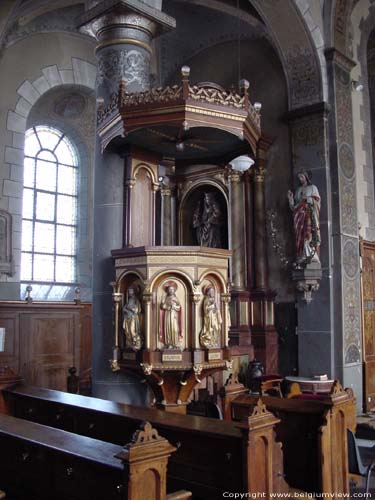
352	354
351	258
346	161
352	315
273	231
5	243
129	65
303	76
70	105
349	219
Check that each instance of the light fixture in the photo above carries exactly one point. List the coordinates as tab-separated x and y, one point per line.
257	106
241	163
357	86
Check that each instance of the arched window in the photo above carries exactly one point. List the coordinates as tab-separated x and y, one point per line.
49	215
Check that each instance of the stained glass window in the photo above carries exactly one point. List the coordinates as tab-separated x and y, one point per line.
49	214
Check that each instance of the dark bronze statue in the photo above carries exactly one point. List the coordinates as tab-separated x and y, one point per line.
207	222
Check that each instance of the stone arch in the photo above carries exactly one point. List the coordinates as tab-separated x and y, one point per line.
363	24
299	55
81	73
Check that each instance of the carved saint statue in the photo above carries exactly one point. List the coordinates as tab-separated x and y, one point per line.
305	205
170	318
207	222
131	324
210	333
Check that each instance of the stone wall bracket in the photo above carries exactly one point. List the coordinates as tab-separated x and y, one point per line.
307	280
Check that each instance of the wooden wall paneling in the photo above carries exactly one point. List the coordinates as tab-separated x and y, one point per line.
44	339
47	347
368	323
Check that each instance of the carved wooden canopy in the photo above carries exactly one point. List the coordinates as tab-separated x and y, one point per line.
185	121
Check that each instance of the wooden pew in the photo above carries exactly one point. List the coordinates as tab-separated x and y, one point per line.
313	434
40	462
213	456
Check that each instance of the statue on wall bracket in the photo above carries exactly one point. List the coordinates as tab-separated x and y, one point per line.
305	206
131	320
207	222
171	318
212	320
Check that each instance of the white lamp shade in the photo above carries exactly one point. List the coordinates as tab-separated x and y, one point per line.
242	163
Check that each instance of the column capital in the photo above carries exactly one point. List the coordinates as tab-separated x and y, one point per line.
166	191
337	57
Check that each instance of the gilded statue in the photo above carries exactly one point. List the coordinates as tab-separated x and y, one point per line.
212	321
170	318
207	222
131	322
305	205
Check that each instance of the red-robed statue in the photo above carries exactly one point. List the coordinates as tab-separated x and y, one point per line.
305	204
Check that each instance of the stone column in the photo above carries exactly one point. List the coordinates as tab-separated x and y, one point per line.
166	224
124	31
346	268
237	227
260	233
316	346
263	333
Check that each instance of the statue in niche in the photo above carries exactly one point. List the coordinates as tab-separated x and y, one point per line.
207	222
170	318
305	205
212	321
131	323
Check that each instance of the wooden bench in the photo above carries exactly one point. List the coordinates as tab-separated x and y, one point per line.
312	430
213	456
40	462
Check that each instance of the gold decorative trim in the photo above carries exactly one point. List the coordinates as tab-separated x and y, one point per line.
116	41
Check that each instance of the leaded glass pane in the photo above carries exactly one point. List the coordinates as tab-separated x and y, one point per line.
47	156
26	266
65	154
28	203
66	180
44	237
65	269
65	240
43	267
27	235
49	237
48	137
29	172
45	206
65	209
46	175
32	145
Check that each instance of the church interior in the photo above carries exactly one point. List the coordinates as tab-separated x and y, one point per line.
187	249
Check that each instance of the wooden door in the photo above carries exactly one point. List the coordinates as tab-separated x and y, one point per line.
47	347
368	323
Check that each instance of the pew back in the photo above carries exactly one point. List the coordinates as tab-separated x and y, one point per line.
43	463
210	455
313	436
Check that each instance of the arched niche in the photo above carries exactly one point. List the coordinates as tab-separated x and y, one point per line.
193	203
183	290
